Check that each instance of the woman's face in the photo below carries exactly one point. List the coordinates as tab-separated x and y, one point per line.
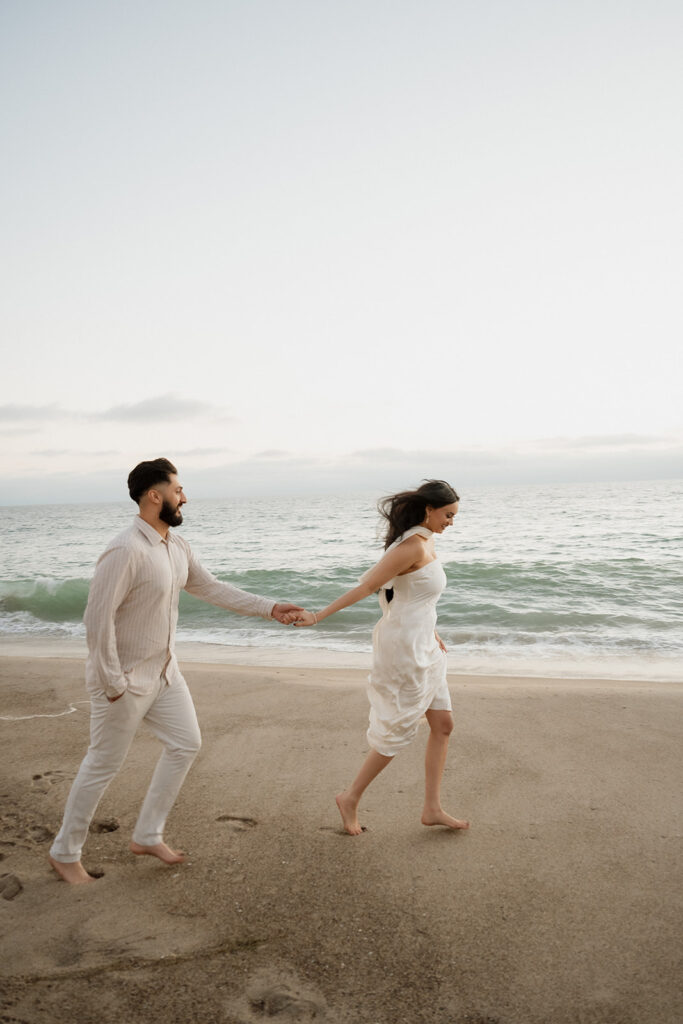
440	518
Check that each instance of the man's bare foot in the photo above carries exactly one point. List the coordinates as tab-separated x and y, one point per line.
160	850
348	808
73	873
441	818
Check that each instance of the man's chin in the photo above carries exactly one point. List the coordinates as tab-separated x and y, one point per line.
174	519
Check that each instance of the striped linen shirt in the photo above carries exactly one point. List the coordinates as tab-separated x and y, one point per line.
132	610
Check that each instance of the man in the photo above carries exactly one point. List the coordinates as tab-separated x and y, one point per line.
131	671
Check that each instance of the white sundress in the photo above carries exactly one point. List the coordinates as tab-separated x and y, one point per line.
408	674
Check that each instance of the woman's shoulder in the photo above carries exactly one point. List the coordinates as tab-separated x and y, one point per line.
414	540
411	548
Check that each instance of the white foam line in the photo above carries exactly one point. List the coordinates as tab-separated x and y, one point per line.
58	714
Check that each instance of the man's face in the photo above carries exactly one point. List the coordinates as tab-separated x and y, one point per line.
173	499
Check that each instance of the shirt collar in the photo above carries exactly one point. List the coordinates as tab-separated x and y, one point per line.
152	535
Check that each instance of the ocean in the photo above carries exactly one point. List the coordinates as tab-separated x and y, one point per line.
556	580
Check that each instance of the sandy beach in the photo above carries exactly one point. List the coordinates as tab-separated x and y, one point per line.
561	904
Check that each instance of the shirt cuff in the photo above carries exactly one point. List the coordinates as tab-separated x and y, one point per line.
116	688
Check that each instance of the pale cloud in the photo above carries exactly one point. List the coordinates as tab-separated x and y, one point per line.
273	472
160	407
385	470
157	408
13	413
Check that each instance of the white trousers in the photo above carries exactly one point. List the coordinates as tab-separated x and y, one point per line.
170	713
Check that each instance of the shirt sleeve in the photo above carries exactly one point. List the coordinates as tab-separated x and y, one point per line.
204	585
111	583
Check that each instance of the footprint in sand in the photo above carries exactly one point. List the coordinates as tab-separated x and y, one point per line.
18	830
42	782
103	825
38	834
274	992
10	886
237	823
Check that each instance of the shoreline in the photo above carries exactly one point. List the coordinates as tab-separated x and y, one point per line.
354	677
324	659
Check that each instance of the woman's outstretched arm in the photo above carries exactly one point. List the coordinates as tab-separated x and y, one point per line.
401	559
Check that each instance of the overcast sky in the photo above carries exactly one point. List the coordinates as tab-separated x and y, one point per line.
313	245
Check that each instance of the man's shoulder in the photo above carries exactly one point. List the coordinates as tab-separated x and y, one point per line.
130	539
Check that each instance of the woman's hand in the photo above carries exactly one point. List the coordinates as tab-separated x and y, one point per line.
306	619
286	613
441	643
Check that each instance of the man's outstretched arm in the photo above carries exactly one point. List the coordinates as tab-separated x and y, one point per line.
204	585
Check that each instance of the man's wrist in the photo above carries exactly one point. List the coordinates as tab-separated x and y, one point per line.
116	688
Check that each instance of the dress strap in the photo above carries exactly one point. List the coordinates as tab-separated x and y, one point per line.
422	531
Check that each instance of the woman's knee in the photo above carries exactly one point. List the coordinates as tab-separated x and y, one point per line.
441	723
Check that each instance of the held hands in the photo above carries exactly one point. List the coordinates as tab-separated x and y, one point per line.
286	613
306	619
293	615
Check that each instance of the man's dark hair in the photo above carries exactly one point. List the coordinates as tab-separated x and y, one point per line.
147	474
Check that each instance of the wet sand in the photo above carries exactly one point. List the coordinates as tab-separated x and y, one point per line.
562	903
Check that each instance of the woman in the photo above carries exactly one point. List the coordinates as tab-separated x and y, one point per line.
408	678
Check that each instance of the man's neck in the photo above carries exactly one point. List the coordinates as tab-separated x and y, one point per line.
158	524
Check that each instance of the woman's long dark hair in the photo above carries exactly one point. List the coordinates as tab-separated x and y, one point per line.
409	508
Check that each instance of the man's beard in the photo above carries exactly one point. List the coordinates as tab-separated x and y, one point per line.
170	515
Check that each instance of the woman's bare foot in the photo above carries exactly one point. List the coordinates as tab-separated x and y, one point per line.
440	817
160	850
348	808
73	873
